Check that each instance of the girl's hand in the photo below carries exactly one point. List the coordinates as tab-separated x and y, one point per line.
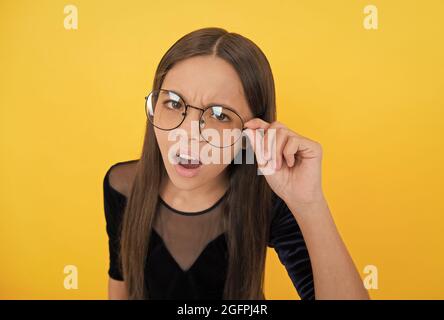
293	169
297	181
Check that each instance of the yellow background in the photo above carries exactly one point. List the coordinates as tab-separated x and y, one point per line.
72	105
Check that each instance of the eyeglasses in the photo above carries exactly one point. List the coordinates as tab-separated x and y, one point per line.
219	125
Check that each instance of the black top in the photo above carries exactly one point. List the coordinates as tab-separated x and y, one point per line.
185	264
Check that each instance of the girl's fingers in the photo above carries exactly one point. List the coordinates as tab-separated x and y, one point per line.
256	141
270	138
270	147
279	144
253	127
269	143
290	149
256	123
277	153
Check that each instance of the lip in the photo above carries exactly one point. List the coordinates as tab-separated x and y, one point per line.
187	173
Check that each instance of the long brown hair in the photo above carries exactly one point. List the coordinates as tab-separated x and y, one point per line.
247	207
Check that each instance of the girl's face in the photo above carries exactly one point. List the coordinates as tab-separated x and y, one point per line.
200	81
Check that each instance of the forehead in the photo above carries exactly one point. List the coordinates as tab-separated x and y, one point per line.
203	80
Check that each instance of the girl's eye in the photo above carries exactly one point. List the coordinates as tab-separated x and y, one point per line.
173	104
220	116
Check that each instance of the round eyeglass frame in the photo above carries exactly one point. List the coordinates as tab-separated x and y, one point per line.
200	118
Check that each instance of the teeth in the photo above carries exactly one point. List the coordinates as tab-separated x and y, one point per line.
188	158
185	156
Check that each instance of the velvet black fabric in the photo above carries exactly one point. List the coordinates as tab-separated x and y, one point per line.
205	279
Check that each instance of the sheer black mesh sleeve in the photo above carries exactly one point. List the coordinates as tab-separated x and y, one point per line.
114	204
287	240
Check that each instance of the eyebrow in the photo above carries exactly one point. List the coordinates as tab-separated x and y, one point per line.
210	104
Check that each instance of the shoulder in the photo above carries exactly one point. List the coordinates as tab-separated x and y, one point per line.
116	182
119	177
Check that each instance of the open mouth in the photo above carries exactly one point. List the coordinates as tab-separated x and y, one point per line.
187	161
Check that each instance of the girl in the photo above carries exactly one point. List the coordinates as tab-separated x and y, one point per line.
181	227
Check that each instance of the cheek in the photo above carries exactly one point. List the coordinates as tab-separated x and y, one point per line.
164	144
219	156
